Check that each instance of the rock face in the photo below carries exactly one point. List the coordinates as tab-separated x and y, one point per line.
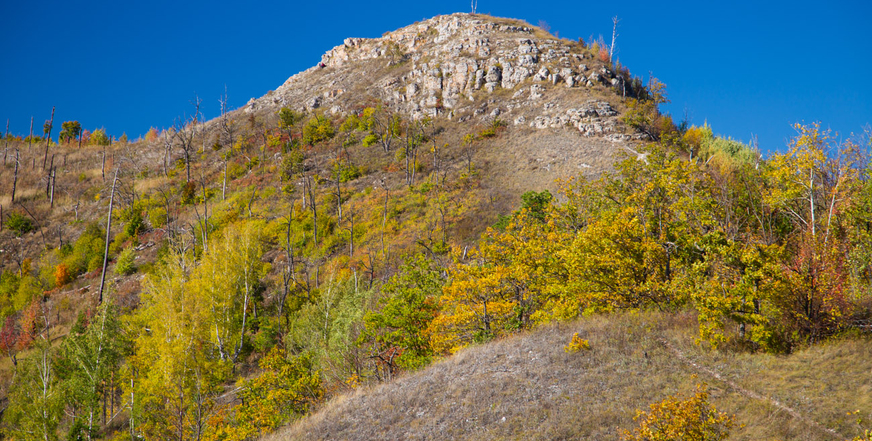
457	65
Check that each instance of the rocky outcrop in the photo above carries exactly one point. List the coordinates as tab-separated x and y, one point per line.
450	64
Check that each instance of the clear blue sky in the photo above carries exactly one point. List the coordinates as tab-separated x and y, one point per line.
747	67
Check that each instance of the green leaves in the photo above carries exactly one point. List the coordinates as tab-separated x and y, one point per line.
406	312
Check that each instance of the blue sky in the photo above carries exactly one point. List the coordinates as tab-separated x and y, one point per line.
746	67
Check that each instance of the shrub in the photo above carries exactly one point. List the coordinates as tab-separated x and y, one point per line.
369	140
135	224
576	344
189	193
317	129
19	224
682	419
125	264
62	275
157	217
87	247
95	263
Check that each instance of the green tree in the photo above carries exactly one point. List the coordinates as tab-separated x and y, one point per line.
407	308
70	130
90	359
35	398
99	137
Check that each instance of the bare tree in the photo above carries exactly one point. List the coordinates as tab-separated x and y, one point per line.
386	126
228	130
30	142
6	142
309	192
185	132
614	36
15	175
416	136
108	231
167	136
46	129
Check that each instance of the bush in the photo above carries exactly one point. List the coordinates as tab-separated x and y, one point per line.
369	140
682	419
62	275
157	217
88	246
19	224
188	193
125	264
317	129
95	263
576	344
135	224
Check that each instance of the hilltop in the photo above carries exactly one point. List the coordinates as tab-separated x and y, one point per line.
562	101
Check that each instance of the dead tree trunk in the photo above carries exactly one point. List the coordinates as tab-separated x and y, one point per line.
48	137
53	174
30	142
6	141
15	176
48	177
106	249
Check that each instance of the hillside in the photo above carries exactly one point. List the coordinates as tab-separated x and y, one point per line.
464	180
527	387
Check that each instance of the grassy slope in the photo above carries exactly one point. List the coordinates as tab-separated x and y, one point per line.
526	387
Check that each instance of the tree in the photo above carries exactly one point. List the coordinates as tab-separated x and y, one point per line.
318	128
70	130
474	306
173	373
91	357
185	130
226	282
287	388
99	137
810	187
35	398
288	121
46	130
409	305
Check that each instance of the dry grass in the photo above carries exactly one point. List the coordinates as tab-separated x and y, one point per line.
527	387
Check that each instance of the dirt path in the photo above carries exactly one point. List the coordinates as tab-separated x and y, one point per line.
748	393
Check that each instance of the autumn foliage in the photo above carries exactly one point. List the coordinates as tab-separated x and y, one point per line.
682	419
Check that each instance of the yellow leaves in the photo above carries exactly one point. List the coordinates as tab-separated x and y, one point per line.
576	344
678	419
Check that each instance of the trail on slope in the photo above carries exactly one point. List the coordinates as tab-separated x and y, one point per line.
748	393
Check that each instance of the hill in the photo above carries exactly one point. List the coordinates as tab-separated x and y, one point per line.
458	181
528	387
471	70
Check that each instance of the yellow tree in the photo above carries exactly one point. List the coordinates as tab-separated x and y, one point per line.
226	281
809	184
502	285
173	377
474	305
